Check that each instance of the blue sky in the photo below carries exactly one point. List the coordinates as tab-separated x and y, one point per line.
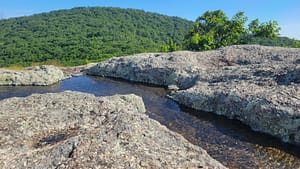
286	12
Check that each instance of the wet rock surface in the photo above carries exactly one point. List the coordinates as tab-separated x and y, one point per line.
77	130
33	76
255	84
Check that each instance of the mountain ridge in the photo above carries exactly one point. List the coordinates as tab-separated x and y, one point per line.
78	35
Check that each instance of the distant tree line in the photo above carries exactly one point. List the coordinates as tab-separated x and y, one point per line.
88	34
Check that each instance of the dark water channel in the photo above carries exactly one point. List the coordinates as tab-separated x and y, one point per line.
228	141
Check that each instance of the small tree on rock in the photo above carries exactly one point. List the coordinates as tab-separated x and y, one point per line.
265	29
214	30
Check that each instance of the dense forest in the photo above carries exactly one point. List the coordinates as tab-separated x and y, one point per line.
88	34
84	34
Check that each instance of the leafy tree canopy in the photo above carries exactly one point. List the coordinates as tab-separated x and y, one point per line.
84	34
214	30
264	30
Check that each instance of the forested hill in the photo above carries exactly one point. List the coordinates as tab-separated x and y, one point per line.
82	34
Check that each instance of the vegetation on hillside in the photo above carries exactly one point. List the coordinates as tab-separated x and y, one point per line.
81	35
280	41
84	34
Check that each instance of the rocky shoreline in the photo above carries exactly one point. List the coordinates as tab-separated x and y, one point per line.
76	70
78	130
32	76
255	84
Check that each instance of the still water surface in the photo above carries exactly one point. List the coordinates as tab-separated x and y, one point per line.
228	141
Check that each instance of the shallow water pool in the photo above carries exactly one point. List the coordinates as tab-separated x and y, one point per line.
228	141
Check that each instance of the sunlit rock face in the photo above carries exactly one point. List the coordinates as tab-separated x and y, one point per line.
257	85
78	130
33	76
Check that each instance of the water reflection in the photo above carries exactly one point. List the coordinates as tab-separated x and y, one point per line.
228	141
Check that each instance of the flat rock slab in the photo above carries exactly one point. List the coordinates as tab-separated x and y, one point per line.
255	84
77	130
76	70
33	76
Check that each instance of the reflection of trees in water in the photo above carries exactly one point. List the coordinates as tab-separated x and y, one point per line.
23	91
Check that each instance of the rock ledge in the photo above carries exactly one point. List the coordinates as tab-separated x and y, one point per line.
77	130
33	76
257	85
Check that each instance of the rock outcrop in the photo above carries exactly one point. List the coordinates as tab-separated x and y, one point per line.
33	76
255	84
76	70
77	130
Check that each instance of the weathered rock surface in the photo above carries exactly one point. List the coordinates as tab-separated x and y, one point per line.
77	130
76	70
35	76
255	84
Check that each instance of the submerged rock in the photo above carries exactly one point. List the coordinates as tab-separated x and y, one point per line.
33	76
77	130
255	84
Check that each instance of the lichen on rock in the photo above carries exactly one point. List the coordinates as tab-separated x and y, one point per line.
78	130
257	85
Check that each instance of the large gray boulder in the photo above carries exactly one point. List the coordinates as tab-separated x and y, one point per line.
257	85
33	76
77	130
178	68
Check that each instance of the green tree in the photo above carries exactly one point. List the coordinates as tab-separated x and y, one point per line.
214	29
265	29
296	43
237	28
170	47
